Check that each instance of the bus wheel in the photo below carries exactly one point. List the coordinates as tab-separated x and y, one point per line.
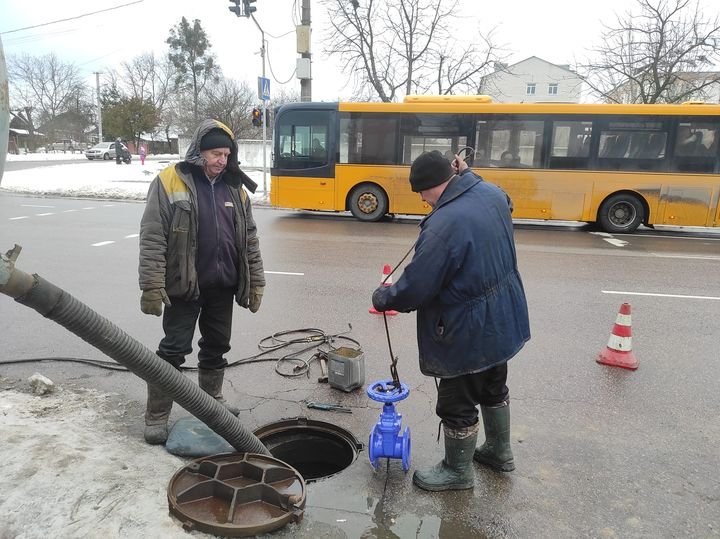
368	202
621	213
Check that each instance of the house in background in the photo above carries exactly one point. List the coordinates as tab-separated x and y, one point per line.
532	80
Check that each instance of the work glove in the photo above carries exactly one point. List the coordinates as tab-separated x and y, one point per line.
378	299
151	301
256	295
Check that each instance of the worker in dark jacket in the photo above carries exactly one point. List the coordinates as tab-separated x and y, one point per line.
199	251
472	314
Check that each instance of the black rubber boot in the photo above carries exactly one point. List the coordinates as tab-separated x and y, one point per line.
455	471
157	413
211	381
496	451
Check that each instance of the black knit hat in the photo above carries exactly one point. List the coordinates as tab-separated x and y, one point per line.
215	138
429	170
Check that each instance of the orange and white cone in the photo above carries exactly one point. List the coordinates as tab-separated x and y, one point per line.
618	352
385	280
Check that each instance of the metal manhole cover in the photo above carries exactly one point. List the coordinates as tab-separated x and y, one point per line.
236	494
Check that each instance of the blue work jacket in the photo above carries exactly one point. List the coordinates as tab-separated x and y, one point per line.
464	282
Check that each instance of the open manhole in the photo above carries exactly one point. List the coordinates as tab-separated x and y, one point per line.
316	449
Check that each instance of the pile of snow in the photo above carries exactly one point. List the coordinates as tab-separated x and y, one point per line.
98	179
68	471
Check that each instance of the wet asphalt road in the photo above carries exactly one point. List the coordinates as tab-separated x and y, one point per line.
600	452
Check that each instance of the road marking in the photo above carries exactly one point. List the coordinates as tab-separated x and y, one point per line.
687	257
89	208
69	211
659	295
616	242
35	206
284	273
610	239
131	236
16	218
101	243
44	214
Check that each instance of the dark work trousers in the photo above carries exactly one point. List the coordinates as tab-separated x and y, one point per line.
458	397
213	312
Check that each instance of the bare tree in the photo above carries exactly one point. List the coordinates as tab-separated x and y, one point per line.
399	48
46	84
661	52
231	102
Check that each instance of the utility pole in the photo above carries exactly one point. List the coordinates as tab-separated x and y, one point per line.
306	82
99	107
264	104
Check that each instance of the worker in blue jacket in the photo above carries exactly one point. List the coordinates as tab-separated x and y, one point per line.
472	314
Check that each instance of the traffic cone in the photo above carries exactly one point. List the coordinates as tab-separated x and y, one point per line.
385	280
618	352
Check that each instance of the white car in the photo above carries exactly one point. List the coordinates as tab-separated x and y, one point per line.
104	150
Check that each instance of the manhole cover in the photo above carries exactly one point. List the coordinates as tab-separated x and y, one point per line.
236	495
316	449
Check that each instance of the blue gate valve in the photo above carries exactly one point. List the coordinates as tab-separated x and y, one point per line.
385	438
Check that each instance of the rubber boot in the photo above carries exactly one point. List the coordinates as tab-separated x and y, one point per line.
157	413
211	381
455	471
496	451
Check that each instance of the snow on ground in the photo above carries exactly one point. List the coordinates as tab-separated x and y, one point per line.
60	156
98	179
71	469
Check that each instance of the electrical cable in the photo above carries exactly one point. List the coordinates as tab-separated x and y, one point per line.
273	74
312	339
72	18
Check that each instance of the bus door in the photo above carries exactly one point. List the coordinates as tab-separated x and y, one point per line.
303	173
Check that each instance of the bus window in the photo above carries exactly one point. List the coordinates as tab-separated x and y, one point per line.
570	147
696	146
510	143
302	139
446	133
368	139
632	145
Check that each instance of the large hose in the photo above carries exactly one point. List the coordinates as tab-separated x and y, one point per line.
57	305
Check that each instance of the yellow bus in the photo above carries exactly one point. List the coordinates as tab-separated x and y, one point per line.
618	165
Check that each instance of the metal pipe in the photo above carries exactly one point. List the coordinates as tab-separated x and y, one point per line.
57	305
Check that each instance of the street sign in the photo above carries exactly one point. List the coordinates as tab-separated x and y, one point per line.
264	88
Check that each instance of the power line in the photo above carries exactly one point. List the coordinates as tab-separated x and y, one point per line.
72	18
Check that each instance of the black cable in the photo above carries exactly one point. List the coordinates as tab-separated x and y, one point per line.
316	339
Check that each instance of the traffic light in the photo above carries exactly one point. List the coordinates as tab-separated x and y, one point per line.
236	8
249	10
257	117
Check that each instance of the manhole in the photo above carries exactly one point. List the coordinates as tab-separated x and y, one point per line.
236	494
316	449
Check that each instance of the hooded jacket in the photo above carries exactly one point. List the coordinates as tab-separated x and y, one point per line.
464	282
169	226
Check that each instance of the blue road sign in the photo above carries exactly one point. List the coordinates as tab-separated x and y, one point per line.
264	88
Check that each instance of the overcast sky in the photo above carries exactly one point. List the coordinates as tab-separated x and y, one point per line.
559	31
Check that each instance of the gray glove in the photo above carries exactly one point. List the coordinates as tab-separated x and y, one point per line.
256	295
151	301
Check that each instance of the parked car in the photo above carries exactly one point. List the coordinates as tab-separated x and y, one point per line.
104	150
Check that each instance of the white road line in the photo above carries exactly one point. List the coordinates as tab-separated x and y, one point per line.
659	295
687	257
44	214
131	236
16	218
101	243
603	234
89	208
34	206
68	211
108	205
284	273
616	242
